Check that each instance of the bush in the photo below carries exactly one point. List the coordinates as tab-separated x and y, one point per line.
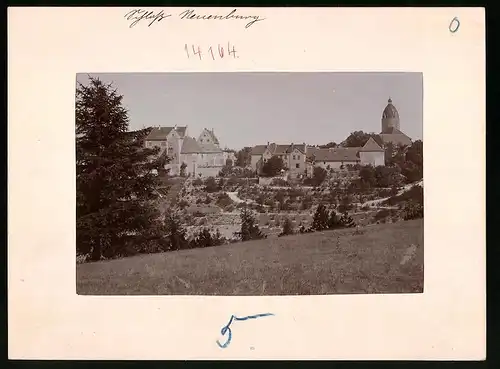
413	210
224	201
279	182
346	221
211	185
197	182
320	219
205	238
287	228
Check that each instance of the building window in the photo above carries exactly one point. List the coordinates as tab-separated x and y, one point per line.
324	162
293	157
297	165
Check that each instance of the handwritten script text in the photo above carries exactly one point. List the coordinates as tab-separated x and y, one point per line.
227	329
151	17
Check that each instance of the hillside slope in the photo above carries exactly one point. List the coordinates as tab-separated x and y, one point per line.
386	258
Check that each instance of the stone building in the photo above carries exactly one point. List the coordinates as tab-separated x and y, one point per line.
300	159
202	157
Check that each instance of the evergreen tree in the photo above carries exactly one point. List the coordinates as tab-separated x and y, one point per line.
249	230
115	183
175	232
320	219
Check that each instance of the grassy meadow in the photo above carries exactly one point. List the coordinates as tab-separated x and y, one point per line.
385	258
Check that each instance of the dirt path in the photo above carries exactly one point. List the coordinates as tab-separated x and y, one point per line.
404	189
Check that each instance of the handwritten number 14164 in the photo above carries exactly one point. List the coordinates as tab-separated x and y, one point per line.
219	52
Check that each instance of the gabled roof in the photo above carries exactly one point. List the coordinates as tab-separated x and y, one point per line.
342	154
395	138
190	146
161	133
392	130
258	150
211	133
209	148
371	145
277	149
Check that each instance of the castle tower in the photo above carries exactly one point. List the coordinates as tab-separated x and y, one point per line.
390	118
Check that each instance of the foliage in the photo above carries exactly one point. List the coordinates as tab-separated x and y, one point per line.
249	228
413	210
224	201
287	228
320	218
307	202
183	169
204	238
115	184
415	194
175	232
357	139
229	162
198	182
346	221
211	185
272	166
319	176
334	221
328	145
367	177
243	157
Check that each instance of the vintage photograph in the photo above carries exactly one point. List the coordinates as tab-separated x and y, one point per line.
255	184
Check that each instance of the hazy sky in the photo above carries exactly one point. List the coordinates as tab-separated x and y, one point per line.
247	109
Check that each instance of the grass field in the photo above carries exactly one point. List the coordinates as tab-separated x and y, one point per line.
386	258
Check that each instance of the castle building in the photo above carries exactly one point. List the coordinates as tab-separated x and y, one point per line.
201	158
300	159
391	132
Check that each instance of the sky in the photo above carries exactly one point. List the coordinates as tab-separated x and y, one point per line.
252	108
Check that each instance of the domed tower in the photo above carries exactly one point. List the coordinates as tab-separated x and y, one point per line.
390	117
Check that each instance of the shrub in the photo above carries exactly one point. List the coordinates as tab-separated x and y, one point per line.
197	182
413	210
347	222
223	200
176	234
183	169
334	221
205	238
211	185
280	182
287	228
320	219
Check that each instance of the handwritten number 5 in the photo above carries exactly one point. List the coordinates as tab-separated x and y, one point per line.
454	25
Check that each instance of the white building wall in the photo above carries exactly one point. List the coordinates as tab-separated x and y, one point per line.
254	160
374	158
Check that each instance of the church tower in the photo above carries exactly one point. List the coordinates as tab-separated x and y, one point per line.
390	118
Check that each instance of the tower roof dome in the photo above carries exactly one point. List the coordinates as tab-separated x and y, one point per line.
390	111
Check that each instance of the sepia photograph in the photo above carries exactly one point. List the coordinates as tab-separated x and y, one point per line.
249	184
